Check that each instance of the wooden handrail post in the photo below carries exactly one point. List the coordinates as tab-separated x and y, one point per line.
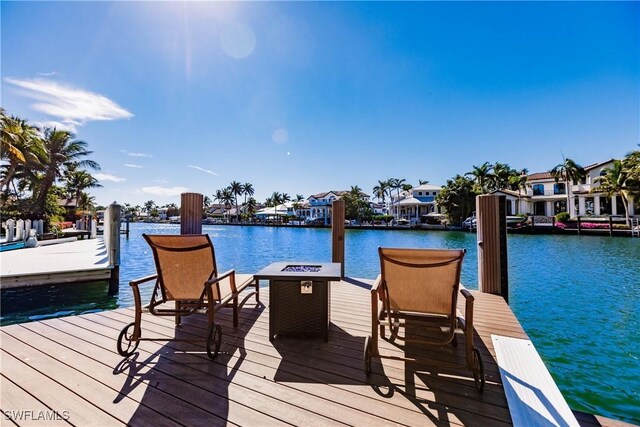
337	234
191	213
492	245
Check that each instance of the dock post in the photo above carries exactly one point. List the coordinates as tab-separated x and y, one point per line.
191	213
492	245
610	225
112	241
128	220
337	234
578	225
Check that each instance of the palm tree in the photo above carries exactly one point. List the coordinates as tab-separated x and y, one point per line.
380	190
78	181
85	201
482	176
568	171
248	190
236	189
61	152
149	206
251	206
615	181
206	202
422	181
285	198
518	182
20	145
407	187
227	197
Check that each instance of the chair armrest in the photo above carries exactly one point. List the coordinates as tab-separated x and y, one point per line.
216	281
376	284
142	280
468	309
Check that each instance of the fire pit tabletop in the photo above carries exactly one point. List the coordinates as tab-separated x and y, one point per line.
300	270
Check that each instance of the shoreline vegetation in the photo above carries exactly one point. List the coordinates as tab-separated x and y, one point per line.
46	174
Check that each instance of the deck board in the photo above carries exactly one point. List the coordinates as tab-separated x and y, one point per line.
71	364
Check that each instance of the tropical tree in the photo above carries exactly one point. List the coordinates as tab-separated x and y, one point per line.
422	181
149	206
85	201
482	176
21	146
568	171
354	206
61	152
237	190
227	197
501	175
407	187
78	181
247	189
518	182
251	206
616	181
206	202
380	190
285	198
458	197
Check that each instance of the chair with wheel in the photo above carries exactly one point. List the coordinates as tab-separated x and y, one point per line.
187	275
418	288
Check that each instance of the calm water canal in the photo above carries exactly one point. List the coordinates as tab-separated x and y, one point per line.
577	297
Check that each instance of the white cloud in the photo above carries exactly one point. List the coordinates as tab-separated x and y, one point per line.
53	73
69	103
129	165
108	177
210	172
68	125
164	191
136	154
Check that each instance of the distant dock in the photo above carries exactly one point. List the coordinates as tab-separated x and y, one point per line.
77	261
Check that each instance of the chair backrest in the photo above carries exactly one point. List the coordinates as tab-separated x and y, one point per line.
421	280
183	263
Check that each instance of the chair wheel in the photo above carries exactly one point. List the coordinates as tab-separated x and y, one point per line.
367	355
214	339
131	345
478	370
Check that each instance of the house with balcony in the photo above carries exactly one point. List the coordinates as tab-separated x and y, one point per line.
517	202
319	205
413	204
547	197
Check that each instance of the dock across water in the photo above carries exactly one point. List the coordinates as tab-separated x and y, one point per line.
80	260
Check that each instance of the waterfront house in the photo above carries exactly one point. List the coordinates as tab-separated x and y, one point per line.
418	201
320	204
547	197
516	202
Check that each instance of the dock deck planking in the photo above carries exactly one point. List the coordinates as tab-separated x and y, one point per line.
84	260
71	364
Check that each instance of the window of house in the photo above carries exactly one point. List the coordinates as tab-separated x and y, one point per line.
559	188
509	207
419	193
539	208
605	205
581	181
538	190
559	206
620	206
588	206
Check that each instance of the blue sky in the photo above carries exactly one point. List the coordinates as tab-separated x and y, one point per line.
309	97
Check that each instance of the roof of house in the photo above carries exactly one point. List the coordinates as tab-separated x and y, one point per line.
547	175
338	193
510	193
427	187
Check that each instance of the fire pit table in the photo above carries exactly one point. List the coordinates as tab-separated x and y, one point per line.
299	297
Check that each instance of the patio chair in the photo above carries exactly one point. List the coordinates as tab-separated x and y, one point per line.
186	274
419	288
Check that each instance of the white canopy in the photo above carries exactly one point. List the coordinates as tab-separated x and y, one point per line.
280	210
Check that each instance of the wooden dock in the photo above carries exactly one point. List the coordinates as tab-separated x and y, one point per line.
80	260
68	369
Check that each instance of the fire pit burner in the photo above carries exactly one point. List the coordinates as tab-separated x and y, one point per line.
302	268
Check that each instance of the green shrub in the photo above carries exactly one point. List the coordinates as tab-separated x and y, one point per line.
563	217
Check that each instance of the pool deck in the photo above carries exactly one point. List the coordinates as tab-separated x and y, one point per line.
84	260
70	365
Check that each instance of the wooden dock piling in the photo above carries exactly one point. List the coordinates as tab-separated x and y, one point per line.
337	234
492	245
191	213
112	241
